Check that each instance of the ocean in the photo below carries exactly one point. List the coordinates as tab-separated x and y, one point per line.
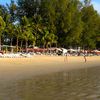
77	84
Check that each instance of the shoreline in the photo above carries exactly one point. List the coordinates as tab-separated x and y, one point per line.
19	68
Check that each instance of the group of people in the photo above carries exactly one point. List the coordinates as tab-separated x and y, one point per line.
84	56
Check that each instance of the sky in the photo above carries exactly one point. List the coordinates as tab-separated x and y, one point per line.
96	3
4	2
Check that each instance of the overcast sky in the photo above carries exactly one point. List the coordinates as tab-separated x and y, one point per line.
96	3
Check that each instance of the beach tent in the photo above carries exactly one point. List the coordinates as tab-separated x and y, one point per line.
64	51
7	47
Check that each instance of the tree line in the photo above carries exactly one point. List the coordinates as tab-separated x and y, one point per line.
49	23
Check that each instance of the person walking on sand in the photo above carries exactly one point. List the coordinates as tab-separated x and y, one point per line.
64	53
85	56
66	57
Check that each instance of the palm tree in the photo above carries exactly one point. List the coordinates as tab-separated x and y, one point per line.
26	30
52	39
2	27
32	39
48	38
45	37
10	29
18	34
36	24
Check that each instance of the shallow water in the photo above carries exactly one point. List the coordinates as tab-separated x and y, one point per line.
81	84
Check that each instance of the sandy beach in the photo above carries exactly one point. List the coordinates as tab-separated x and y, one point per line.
49	78
19	68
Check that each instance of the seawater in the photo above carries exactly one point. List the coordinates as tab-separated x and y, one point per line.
80	84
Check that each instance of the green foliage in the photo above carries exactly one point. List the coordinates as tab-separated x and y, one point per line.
2	27
26	29
12	10
90	19
45	22
48	38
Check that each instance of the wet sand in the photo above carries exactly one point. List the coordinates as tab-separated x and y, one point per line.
20	68
50	78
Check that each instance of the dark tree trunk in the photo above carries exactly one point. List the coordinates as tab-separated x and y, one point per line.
17	44
0	43
26	46
21	44
11	40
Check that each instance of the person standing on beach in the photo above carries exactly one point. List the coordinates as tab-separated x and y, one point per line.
64	53
66	56
85	53
85	58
